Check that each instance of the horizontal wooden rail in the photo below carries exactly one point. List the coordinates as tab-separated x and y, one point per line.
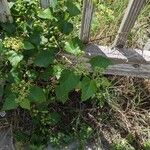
119	55
128	62
5	14
129	70
125	62
131	14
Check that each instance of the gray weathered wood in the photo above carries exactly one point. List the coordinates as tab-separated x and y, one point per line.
129	70
131	14
119	55
5	14
45	3
6	136
126	62
117	69
88	7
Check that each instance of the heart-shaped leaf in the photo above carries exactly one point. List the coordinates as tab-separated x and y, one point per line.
28	45
44	58
10	102
25	104
88	88
68	82
36	95
14	58
73	46
72	9
100	61
65	27
45	14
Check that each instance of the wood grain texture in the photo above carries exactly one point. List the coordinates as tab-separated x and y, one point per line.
143	71
5	14
119	55
131	14
88	7
125	62
129	70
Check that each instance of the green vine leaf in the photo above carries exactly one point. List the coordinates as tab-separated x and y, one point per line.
10	28
67	83
14	58
35	38
10	102
44	58
11	4
88	88
65	27
36	95
13	76
100	62
73	47
46	14
53	3
72	9
27	45
25	104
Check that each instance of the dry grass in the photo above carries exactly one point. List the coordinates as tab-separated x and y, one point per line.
107	18
127	114
129	105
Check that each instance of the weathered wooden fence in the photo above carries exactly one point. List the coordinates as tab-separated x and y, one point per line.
130	62
126	61
5	14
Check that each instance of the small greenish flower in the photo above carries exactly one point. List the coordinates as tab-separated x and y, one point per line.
15	44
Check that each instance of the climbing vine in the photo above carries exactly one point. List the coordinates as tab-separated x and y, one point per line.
35	73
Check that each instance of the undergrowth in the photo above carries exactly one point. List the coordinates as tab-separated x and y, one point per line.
107	18
50	98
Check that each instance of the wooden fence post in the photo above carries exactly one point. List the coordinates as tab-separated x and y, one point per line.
132	12
88	7
5	15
